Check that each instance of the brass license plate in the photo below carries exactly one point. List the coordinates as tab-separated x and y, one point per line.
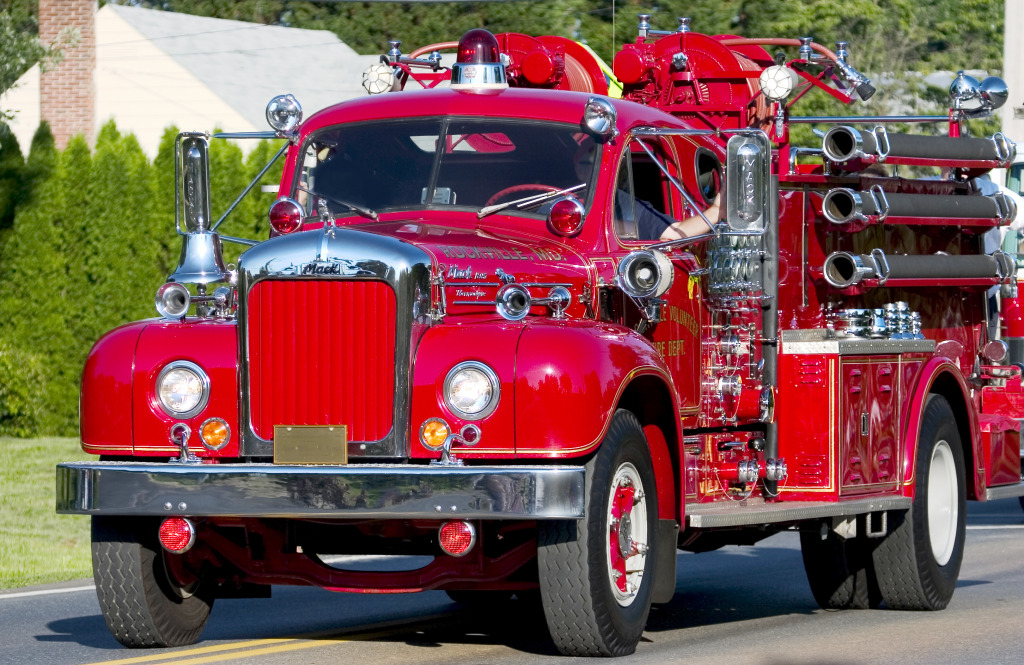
310	444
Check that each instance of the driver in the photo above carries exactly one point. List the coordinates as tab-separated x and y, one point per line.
651	223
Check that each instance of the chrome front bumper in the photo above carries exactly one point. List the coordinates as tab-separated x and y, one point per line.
378	491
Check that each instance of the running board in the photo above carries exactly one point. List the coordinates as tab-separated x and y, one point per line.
749	512
1004	491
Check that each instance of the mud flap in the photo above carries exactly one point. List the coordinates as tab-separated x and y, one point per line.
665	566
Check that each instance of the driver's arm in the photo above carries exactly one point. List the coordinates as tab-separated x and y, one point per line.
693	226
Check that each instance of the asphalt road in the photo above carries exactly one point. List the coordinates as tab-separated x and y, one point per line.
746	605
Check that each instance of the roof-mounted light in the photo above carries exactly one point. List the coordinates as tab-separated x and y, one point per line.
284	114
478	64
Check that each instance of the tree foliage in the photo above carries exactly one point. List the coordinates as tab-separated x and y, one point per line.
92	238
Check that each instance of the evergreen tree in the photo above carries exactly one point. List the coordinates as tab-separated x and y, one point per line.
12	167
33	290
163	202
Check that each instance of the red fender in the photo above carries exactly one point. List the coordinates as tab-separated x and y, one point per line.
934	369
492	342
213	345
570	377
106	397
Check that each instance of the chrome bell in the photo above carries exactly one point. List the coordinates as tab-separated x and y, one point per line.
201	260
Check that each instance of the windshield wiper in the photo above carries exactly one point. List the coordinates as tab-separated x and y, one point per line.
529	201
365	212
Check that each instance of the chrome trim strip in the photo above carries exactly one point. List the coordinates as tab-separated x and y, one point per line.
359	255
1004	491
371	491
800	342
735	513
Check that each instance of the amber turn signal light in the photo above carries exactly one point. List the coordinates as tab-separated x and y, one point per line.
433	432
215	433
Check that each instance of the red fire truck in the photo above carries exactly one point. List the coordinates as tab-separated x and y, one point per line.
545	337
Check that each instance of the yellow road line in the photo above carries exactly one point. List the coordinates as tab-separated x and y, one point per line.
295	645
223	652
152	657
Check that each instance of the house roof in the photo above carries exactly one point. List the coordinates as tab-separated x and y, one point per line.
155	69
246	64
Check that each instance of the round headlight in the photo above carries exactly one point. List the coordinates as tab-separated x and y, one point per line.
182	389
471	390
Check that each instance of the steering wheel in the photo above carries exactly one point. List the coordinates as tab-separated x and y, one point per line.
515	189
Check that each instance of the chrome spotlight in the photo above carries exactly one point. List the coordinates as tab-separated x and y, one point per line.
977	99
284	114
599	119
645	273
172	300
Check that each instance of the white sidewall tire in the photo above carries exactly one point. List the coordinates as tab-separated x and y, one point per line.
585	615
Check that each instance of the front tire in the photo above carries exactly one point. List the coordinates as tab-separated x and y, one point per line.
597	574
141	603
918	563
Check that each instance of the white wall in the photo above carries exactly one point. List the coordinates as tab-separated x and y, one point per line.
1013	72
145	90
23	99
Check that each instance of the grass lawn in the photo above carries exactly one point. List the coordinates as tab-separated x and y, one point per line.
36	544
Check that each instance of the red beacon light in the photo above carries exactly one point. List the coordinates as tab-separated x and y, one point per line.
478	63
286	216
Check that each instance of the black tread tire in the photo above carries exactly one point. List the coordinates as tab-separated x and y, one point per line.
582	614
909	576
839	570
1021	499
139	603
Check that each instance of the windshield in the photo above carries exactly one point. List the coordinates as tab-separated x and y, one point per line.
444	162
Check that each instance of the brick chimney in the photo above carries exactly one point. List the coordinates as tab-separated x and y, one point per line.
67	93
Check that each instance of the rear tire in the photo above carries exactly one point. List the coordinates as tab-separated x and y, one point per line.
839	570
597	574
142	605
918	563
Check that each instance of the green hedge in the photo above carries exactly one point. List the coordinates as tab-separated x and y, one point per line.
89	238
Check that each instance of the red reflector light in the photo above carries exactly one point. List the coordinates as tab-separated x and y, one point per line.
286	215
177	535
457	538
477	47
566	217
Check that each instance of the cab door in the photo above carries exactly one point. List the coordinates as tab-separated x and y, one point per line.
643	204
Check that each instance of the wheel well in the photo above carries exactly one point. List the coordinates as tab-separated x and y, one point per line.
946	385
649	399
